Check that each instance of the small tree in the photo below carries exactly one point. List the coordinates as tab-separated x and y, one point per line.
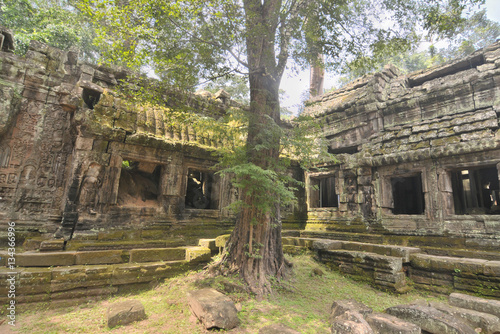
184	40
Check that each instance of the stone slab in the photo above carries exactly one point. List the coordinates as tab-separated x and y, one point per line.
430	319
157	254
45	259
99	257
488	323
387	324
125	312
475	303
213	309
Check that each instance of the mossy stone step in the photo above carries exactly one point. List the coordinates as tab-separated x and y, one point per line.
157	254
462	253
360	237
110	257
74	245
59	283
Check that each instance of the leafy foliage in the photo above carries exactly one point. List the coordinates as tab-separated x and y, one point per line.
185	41
55	22
469	34
235	85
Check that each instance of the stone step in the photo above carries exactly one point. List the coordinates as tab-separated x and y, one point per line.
34	284
346	236
462	253
389	250
108	257
76	245
385	272
444	274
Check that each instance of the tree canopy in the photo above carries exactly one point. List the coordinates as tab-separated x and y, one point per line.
471	34
55	22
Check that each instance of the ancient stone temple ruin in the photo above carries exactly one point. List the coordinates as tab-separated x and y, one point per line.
118	195
419	157
76	159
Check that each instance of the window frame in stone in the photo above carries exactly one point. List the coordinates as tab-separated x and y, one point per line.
387	191
470	190
142	166
315	196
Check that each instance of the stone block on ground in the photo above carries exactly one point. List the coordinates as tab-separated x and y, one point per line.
430	319
221	240
277	329
126	312
198	254
213	309
488	323
475	303
350	322
339	307
387	324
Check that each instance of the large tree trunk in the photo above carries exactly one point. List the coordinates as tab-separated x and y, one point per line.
255	247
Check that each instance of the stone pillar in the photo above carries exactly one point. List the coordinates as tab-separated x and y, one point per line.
173	185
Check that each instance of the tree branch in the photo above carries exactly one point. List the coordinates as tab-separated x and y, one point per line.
286	33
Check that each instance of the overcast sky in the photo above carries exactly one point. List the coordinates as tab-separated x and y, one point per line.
297	85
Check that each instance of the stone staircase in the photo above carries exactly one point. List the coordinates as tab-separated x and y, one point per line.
113	262
90	270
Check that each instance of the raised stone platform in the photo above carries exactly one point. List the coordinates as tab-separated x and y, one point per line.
72	277
388	267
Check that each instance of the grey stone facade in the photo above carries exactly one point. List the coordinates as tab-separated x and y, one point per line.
419	156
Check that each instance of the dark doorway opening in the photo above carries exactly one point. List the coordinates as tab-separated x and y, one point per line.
407	195
323	193
201	192
476	191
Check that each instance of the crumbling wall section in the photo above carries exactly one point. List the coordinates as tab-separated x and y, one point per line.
35	135
395	134
66	135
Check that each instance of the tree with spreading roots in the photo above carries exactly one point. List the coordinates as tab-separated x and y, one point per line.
182	41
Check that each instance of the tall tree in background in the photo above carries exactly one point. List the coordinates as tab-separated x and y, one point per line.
185	40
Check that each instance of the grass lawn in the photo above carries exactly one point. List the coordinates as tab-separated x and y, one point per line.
303	303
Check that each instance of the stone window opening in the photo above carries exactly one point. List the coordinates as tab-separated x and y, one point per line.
201	190
476	191
322	193
407	195
139	184
90	97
